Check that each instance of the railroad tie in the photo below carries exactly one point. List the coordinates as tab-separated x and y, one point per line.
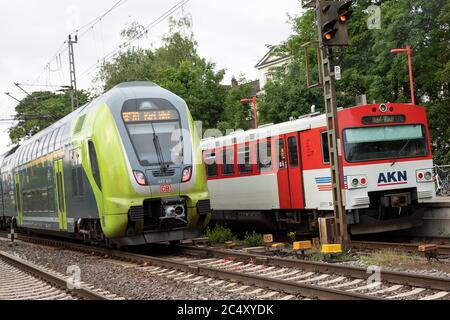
193	280
324	276
239	289
182	278
268	295
175	275
436	296
387	290
204	281
273	273
302	276
371	286
159	271
407	294
168	273
290	274
286	298
347	284
230	285
218	283
255	292
333	281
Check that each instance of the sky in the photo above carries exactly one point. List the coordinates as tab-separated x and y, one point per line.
232	33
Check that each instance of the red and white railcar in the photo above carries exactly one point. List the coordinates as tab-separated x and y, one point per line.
278	176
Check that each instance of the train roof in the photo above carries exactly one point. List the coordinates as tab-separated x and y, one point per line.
306	122
115	98
313	120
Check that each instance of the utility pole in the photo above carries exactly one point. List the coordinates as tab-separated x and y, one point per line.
254	102
73	78
408	51
331	17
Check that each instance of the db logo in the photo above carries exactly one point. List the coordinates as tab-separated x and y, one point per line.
166	188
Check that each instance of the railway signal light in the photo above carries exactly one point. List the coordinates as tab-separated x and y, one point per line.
333	17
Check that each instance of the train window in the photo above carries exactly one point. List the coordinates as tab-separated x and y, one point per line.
34	149
293	152
40	147
244	159
385	142
77	181
94	164
265	155
282	164
64	137
51	145
30	149
212	169
58	139
228	161
325	148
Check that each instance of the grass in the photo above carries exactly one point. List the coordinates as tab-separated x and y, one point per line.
219	235
387	257
254	239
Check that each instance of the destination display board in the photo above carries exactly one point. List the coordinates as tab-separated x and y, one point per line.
149	116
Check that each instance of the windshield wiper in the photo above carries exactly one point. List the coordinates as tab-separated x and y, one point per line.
400	153
158	149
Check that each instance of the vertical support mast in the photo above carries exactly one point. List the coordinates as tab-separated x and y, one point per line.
329	86
73	79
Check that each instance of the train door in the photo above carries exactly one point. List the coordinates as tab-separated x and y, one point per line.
60	195
18	194
2	207
295	171
283	174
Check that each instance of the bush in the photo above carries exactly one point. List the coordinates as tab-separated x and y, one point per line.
219	235
254	239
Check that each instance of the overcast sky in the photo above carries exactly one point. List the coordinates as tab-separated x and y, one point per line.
232	33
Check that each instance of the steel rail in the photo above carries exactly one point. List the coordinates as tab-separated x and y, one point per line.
411	247
50	278
305	290
430	282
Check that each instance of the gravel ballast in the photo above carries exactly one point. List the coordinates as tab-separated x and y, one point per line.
122	279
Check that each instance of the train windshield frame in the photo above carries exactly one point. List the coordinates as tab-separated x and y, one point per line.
147	118
388	142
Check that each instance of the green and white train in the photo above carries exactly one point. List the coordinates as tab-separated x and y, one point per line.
125	169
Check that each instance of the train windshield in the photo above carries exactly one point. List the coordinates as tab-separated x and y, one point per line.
385	142
154	124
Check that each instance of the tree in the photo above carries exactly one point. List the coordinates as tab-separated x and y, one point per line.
287	95
39	110
236	113
175	66
369	67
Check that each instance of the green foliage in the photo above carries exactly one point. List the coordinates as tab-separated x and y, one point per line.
369	67
219	235
39	110
175	66
254	239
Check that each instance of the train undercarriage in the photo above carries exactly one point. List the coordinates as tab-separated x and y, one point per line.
388	211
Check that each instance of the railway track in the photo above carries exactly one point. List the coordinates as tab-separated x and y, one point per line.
409	247
22	280
250	274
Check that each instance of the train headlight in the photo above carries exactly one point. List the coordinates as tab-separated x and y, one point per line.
383	108
187	174
357	182
424	176
140	178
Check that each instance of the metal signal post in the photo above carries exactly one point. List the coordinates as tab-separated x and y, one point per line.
332	17
73	78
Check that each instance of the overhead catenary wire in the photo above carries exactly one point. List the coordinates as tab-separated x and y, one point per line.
146	29
63	48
